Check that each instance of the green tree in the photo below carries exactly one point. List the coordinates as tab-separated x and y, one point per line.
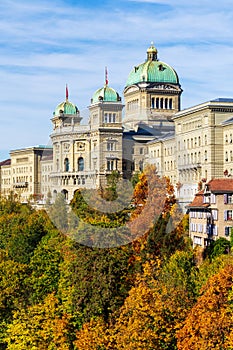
21	231
218	247
58	212
94	282
44	267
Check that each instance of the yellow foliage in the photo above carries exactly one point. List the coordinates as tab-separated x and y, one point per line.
39	327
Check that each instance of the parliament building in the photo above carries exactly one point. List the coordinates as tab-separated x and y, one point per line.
191	146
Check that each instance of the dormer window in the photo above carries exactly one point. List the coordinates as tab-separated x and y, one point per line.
161	67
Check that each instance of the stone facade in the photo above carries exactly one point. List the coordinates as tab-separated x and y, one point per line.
211	212
21	175
198	150
191	146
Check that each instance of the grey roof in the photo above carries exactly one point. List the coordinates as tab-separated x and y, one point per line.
222	99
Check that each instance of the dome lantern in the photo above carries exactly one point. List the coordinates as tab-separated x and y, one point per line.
152	53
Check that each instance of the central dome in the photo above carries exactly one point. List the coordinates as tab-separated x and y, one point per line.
152	71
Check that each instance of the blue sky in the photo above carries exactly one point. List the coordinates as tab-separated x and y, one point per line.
47	44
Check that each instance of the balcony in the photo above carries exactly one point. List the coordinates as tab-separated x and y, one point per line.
62	174
22	184
192	166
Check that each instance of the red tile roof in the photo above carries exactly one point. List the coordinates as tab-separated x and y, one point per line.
198	201
221	185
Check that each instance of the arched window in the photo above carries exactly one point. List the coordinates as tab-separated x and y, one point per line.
66	164
65	193
80	164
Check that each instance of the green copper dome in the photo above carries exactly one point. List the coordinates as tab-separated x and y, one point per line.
152	71
66	107
105	94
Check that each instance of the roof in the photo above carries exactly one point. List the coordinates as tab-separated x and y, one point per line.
66	107
222	99
198	201
106	94
5	162
228	121
152	70
219	104
224	185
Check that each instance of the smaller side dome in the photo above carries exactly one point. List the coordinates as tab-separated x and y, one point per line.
66	107
105	94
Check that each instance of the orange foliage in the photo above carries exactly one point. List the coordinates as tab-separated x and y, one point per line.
210	322
92	336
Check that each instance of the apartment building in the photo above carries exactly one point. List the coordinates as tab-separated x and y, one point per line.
211	212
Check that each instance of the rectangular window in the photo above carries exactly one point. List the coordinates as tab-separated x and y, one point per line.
228	198
227	215
228	230
110	146
215	230
212	198
197	240
141	150
110	165
215	214
109	117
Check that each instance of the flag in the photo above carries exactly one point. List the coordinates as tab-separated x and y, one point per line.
67	94
106	76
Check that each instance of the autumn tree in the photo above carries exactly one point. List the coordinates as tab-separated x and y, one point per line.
13	294
157	305
93	335
42	326
209	323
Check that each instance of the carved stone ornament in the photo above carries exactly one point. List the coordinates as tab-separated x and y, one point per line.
66	147
80	146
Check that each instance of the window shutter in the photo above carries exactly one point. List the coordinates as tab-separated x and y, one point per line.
225	215
225	198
